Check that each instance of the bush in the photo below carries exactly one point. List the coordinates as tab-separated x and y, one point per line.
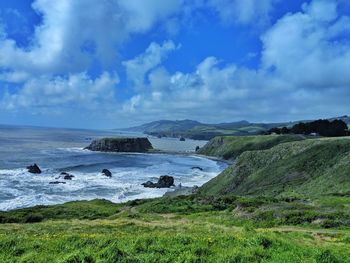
326	257
33	218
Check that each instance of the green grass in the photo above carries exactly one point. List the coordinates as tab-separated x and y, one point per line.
72	210
230	147
182	229
311	167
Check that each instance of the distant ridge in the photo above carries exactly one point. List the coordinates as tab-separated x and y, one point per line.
201	131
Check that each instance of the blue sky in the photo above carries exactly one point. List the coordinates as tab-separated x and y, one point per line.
116	63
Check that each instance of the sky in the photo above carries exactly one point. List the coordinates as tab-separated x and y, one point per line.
116	63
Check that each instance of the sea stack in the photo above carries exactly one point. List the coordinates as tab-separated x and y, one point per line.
34	169
120	145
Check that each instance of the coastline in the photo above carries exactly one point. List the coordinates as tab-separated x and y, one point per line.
213	158
175	191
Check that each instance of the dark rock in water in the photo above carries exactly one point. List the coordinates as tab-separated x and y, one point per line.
182	139
165	181
107	172
197	168
120	145
57	182
197	148
66	176
34	169
149	184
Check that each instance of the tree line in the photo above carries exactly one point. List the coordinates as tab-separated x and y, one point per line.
325	128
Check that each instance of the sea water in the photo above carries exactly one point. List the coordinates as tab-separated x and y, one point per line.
62	150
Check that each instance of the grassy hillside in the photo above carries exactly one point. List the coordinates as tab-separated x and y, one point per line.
230	147
309	167
182	229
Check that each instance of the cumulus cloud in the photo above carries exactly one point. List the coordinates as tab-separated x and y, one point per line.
306	49
73	91
243	12
303	73
136	68
74	35
68	27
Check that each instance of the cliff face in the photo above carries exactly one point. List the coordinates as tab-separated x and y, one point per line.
120	145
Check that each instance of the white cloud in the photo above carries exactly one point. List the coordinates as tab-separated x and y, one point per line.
73	91
51	71
306	50
243	11
303	73
136	68
68	26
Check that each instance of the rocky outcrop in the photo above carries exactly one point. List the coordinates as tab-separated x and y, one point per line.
67	176
165	181
120	145
34	169
107	172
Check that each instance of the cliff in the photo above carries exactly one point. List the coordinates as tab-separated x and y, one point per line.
120	145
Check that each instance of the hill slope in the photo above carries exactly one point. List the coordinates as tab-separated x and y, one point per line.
310	167
230	147
196	130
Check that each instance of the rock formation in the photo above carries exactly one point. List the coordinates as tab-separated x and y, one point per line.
107	172
165	181
120	145
34	169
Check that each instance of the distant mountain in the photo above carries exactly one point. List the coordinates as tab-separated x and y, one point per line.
202	131
165	126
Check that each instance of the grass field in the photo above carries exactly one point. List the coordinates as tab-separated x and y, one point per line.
168	230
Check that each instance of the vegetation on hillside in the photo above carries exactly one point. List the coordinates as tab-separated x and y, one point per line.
230	147
334	128
306	168
201	131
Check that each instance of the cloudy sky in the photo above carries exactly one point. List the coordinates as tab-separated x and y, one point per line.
115	63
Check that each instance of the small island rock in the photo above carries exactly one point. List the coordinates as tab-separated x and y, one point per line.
34	169
120	145
107	172
67	176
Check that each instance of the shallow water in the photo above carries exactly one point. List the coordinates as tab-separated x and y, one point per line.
61	150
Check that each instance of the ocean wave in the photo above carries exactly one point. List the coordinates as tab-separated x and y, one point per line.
20	189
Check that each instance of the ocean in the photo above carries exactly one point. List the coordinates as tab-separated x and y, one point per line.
62	150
